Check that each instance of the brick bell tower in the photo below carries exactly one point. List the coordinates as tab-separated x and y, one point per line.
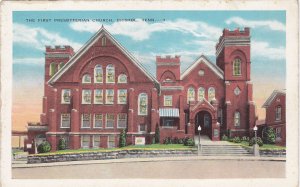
233	57
55	58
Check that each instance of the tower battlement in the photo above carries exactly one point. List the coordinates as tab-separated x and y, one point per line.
60	49
168	59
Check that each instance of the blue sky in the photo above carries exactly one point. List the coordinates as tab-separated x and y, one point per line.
185	33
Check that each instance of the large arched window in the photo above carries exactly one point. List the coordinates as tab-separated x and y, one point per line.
110	74
201	93
98	74
122	78
211	93
86	79
191	94
237	67
237	119
278	113
52	69
142	104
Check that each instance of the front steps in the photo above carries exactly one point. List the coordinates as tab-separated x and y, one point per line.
224	150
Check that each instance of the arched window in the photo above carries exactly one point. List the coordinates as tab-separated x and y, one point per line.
52	69
191	94
110	74
237	119
278	113
98	74
201	93
122	78
211	93
237	67
103	41
86	78
142	104
61	65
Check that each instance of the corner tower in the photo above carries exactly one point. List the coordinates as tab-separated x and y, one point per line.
233	57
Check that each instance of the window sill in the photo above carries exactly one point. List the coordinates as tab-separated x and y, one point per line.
66	103
85	127
98	103
97	127
168	127
122	103
121	127
64	127
86	103
109	128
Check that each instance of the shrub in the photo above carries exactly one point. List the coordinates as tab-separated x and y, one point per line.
168	140
189	142
62	144
224	138
269	136
157	134
180	141
175	140
122	139
245	139
236	139
230	139
259	141
44	147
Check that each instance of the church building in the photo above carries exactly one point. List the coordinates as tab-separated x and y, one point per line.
91	95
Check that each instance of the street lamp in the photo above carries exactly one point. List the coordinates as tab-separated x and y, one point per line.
199	129
255	132
255	146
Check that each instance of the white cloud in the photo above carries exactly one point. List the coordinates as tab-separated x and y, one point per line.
263	49
271	24
30	61
141	30
39	37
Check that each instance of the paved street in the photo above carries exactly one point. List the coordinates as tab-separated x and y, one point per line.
189	169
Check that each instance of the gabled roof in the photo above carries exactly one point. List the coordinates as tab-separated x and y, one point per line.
206	61
102	31
272	97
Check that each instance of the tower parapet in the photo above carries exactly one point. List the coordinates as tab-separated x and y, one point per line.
168	68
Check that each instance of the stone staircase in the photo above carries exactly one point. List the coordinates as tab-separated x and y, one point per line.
220	148
224	150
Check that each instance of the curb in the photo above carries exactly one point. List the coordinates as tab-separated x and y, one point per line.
132	160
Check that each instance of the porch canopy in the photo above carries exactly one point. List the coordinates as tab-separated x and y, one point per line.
169	112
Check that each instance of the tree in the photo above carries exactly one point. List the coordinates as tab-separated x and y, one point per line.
122	139
44	147
269	136
62	144
157	134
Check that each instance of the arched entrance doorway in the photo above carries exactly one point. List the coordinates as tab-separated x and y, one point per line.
204	119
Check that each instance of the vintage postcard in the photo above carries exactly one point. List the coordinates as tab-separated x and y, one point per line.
160	93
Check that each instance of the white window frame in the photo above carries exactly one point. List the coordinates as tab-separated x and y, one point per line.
118	118
106	97
89	138
168	98
106	120
139	128
139	107
119	78
61	119
94	121
98	67
188	97
119	102
199	91
211	91
239	118
99	138
82	121
84	77
82	96
95	100
62	96
237	60
278	113
109	137
112	67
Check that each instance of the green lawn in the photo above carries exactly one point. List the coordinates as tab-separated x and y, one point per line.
264	147
130	147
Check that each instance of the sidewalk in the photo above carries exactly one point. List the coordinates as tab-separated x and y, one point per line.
23	164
